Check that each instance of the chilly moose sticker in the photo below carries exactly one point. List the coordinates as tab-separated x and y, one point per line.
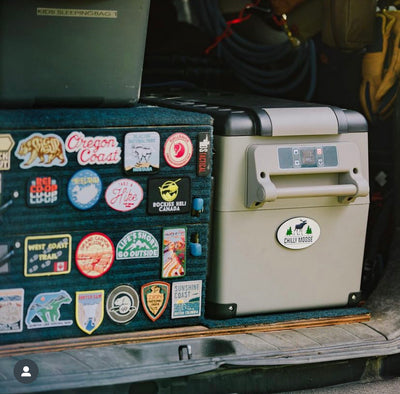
298	233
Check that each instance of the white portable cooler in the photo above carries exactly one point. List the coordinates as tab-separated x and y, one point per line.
291	204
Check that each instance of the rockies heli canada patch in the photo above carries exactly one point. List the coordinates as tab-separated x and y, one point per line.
11	310
47	255
44	310
155	296
122	304
298	233
94	255
40	150
204	154
178	150
84	189
186	299
43	191
93	150
124	195
174	252
137	244
89	310
168	196
142	153
6	144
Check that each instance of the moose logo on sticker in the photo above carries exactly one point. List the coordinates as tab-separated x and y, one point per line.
41	151
44	310
298	233
137	244
142	152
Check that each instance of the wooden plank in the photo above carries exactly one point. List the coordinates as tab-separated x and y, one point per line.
170	334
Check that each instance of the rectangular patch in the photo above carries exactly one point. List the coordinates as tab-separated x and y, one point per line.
47	255
142	153
11	310
174	252
76	13
186	299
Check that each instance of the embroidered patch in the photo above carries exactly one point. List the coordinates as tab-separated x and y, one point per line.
44	310
186	299
122	304
89	310
94	255
178	150
43	191
6	144
155	296
93	150
124	195
204	154
84	189
174	252
137	244
40	150
47	255
11	310
168	196
142	152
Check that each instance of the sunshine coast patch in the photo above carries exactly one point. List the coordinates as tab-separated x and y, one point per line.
178	150
94	255
44	310
174	252
6	144
122	304
40	150
124	195
11	310
186	299
155	296
168	196
298	233
142	153
47	255
93	150
137	244
84	189
89	310
43	191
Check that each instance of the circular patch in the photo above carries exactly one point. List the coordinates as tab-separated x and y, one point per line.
124	195
84	189
122	304
178	150
94	255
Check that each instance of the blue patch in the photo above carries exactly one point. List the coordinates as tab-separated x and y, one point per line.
84	189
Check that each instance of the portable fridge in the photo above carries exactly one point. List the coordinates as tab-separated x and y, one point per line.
291	202
71	52
104	221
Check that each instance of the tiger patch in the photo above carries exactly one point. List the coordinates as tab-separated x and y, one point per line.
39	150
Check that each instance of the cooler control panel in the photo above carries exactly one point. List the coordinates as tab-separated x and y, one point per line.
307	156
